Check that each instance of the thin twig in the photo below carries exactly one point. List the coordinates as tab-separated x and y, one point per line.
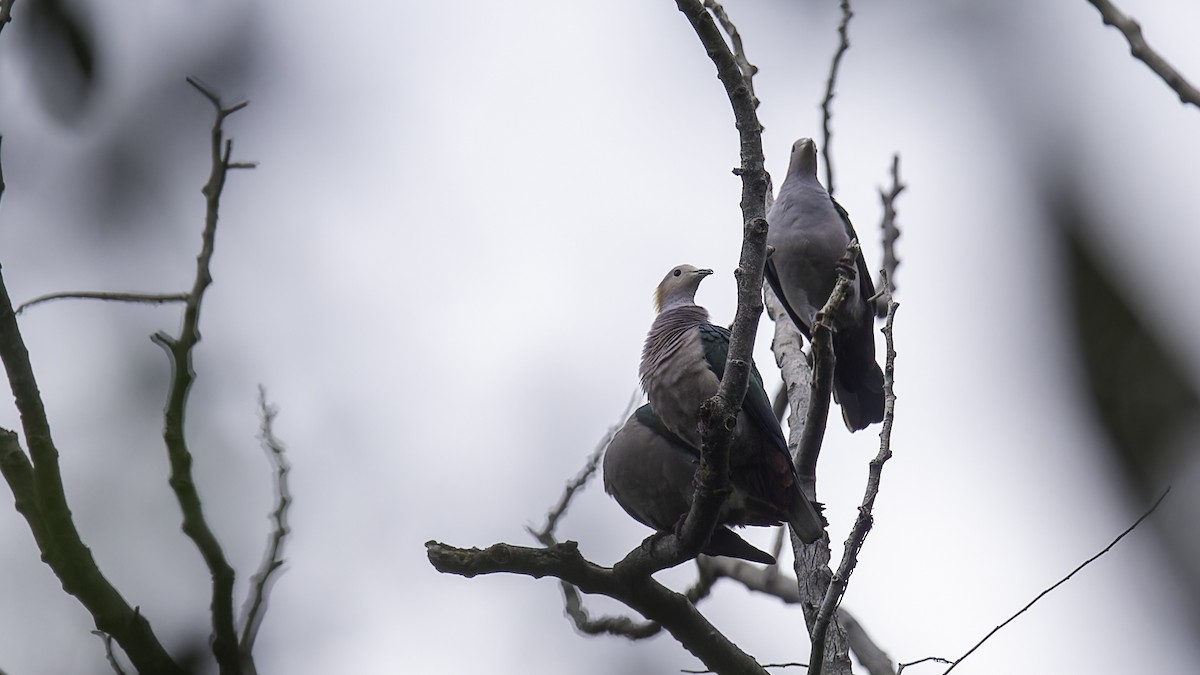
870	655
2	137
145	298
572	601
889	231
749	70
1061	581
826	112
255	607
822	373
761	580
931	659
108	651
792	664
546	535
862	524
1145	53
224	641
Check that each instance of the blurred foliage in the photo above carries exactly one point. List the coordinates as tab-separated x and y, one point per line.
1138	389
61	47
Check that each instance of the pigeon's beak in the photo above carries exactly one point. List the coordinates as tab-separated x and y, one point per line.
703	273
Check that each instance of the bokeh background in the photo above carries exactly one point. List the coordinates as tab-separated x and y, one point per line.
442	273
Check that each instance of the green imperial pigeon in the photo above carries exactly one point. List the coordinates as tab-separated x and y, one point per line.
650	471
682	365
810	232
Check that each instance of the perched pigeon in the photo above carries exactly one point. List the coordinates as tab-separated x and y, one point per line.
810	232
682	365
650	471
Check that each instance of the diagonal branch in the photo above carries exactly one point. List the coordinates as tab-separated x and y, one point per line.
749	70
179	350
38	491
255	608
862	524
655	601
1145	53
39	497
826	111
143	298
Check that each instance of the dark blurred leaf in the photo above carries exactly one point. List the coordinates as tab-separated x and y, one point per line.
1139	390
63	53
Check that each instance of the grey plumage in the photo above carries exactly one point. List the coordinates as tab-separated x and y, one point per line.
649	471
810	232
683	362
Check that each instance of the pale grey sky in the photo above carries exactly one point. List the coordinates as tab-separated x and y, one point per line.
442	272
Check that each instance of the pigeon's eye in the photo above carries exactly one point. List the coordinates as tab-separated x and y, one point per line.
677	272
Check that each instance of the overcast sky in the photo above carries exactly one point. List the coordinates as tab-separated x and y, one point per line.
442	272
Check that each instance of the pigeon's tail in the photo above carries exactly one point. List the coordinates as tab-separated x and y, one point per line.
805	518
857	379
726	542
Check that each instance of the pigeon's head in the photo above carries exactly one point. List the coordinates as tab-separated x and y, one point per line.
679	287
804	158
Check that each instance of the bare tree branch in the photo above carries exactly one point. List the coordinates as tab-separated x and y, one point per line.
869	654
572	602
762	580
38	492
653	600
1145	53
224	638
629	580
145	298
749	70
890	232
1060	581
546	535
108	651
39	496
255	608
931	659
826	112
862	524
822	373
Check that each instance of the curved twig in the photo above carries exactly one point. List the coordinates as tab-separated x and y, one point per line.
143	298
826	112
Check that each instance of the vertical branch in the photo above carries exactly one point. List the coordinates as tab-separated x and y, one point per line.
255	608
862	524
826	112
889	231
224	639
719	414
